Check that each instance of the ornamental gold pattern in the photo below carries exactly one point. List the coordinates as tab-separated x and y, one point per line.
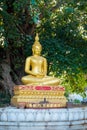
39	96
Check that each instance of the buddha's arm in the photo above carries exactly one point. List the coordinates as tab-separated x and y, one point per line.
27	67
45	67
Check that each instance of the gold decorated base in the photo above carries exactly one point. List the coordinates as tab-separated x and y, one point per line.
39	96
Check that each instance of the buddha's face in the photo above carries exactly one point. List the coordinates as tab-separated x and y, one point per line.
37	50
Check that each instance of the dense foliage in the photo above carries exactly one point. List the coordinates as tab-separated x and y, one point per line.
62	27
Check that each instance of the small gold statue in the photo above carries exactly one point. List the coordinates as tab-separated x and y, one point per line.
36	68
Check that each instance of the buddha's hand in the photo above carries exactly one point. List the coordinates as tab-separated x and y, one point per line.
40	75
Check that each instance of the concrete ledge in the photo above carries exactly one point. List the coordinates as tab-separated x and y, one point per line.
78	127
68	118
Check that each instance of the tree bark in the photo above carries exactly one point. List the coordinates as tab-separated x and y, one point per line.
6	81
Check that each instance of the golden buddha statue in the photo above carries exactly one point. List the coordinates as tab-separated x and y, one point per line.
39	89
36	68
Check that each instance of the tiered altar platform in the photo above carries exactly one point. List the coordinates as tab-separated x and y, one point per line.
39	96
12	118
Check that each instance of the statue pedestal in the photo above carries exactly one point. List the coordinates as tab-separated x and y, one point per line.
12	118
39	96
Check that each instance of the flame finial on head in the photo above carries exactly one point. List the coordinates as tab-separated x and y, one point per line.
37	43
37	37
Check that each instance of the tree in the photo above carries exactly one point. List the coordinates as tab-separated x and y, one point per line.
62	26
64	31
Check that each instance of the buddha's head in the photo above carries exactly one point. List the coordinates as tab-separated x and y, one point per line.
36	48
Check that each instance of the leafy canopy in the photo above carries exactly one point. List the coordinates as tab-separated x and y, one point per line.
62	26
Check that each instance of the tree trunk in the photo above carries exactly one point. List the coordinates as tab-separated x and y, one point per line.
6	81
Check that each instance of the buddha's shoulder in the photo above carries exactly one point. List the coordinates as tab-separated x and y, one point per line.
29	57
33	57
42	57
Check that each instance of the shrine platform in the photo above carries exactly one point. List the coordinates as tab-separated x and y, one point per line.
12	118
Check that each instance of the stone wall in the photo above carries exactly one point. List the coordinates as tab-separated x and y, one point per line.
12	118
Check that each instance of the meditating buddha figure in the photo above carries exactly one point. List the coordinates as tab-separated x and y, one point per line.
36	68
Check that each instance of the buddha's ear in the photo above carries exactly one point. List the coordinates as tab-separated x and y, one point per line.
32	50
